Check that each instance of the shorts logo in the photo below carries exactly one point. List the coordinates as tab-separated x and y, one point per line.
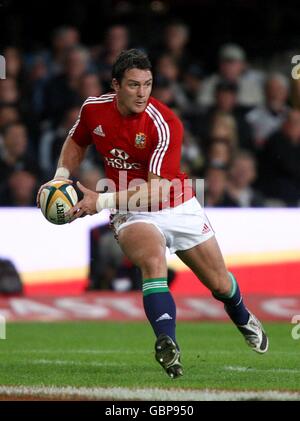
140	140
205	229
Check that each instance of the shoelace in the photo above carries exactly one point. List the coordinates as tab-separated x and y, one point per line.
253	340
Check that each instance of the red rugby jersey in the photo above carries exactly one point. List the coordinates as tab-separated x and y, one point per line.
149	141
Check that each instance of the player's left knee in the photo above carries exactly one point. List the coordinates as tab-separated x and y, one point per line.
222	287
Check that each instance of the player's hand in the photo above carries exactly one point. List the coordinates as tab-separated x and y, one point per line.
86	206
66	180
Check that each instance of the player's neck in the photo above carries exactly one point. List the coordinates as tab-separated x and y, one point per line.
123	110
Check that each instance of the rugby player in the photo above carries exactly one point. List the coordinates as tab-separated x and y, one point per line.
140	139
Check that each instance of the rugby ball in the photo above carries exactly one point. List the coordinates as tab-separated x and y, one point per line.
56	199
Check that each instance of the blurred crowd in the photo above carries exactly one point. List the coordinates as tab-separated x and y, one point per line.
242	124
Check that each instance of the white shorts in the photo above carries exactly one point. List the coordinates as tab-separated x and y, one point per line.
183	227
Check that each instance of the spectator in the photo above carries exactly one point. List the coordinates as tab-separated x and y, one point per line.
242	175
89	85
20	189
216	194
233	68
192	161
175	42
163	91
52	139
268	118
61	91
167	68
64	38
14	153
117	39
219	154
8	114
223	127
9	93
38	77
226	102
15	71
15	66
191	86
226	96
280	162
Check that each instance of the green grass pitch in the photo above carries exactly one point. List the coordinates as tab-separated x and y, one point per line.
111	354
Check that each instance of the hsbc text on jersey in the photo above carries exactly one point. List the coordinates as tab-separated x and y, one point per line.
120	160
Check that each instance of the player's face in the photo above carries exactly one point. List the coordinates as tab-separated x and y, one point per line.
134	90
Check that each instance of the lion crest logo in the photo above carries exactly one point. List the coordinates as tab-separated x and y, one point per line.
140	141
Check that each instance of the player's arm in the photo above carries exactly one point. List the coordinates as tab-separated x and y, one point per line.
142	197
70	158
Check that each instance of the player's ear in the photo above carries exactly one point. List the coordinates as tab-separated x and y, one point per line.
115	85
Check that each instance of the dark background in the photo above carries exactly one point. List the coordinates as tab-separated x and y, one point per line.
263	28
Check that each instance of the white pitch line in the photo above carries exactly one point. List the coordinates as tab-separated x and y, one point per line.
150	394
264	370
74	363
72	351
129	352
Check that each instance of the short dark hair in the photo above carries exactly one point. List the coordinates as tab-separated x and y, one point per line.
130	59
225	85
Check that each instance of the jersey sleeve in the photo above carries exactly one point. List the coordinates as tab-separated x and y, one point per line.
166	155
79	132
